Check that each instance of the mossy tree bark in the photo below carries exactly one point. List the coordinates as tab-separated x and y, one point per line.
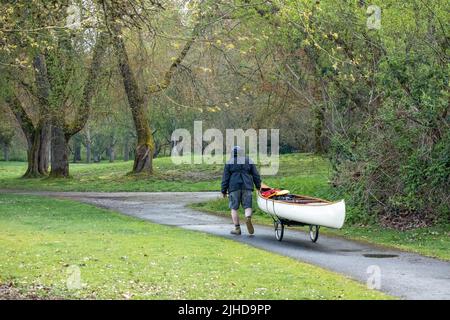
60	153
37	137
145	144
137	98
38	152
87	144
318	128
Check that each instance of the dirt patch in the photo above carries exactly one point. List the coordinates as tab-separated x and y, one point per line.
10	292
407	221
193	176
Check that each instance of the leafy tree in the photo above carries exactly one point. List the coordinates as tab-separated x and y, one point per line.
53	79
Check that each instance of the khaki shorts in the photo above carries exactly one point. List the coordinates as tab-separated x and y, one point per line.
240	197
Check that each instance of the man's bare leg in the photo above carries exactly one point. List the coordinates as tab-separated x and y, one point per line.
235	217
248	220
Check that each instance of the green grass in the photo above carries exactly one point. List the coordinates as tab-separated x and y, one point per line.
431	241
110	177
42	240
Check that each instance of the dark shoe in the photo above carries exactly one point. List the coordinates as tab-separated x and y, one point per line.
249	224
236	231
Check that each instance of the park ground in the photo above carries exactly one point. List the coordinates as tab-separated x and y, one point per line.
300	173
43	239
47	244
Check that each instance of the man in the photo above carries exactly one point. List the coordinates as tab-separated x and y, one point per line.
239	176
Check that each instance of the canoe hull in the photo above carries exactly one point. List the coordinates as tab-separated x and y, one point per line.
330	214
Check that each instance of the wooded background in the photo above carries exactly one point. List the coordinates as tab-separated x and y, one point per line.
114	86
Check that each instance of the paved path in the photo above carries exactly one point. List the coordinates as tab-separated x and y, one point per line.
405	275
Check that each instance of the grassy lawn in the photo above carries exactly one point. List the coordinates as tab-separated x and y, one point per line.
110	177
44	241
432	241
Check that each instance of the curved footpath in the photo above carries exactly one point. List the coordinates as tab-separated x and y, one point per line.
405	275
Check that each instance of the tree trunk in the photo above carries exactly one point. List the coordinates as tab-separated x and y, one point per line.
126	151
60	158
39	161
157	149
37	153
318	129
88	145
137	101
37	139
5	151
76	149
88	152
44	159
145	145
111	153
143	161
77	153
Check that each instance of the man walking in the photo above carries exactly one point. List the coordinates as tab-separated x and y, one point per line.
239	176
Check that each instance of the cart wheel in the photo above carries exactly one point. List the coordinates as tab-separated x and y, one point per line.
314	233
279	230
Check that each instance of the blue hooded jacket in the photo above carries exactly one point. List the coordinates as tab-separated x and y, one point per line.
240	173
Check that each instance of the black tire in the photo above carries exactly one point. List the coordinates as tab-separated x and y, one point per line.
279	230
314	233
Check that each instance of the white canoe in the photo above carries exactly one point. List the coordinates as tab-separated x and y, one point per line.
306	210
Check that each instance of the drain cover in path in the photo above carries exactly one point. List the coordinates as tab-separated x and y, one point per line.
379	255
